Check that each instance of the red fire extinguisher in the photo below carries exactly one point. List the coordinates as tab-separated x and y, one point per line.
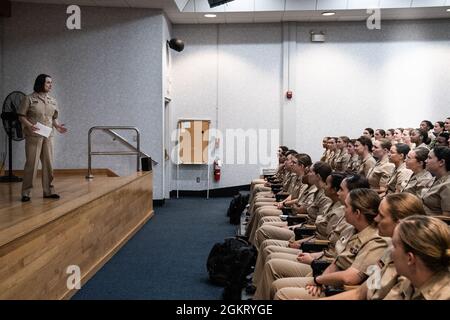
217	166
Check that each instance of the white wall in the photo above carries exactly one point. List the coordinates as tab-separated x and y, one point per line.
358	78
236	68
107	73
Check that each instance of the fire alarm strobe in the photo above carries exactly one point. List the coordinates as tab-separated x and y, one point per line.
289	94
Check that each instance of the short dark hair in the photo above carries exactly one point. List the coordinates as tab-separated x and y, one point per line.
291	151
441	123
336	179
423	134
39	83
370	130
403	149
323	169
303	159
283	148
429	124
382	132
443	153
356	181
365	141
392	131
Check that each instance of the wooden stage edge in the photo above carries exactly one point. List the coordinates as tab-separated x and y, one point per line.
40	239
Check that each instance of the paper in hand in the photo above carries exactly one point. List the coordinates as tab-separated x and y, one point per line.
43	130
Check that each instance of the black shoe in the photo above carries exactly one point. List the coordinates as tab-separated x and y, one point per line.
250	289
52	196
25	199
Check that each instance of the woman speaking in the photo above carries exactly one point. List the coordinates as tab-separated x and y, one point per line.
37	110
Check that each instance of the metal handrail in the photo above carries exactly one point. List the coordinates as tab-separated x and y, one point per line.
90	153
124	141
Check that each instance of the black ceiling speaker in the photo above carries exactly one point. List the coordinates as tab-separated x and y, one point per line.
216	3
176	44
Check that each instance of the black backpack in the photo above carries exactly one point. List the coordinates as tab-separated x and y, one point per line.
237	206
230	262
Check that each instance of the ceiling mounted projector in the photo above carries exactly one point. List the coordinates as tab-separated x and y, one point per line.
216	3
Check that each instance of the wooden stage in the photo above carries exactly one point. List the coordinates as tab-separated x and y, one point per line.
40	239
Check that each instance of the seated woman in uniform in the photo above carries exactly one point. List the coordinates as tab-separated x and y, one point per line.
379	134
281	158
266	197
334	152
390	135
325	224
300	164
420	138
341	161
363	147
436	200
353	163
421	178
406	137
363	249
401	174
421	253
284	239
321	202
385	281
379	175
326	152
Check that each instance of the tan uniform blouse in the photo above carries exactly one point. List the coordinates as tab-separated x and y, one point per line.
437	199
379	175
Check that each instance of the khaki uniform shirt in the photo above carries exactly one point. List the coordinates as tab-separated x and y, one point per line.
308	196
37	108
330	157
362	250
366	164
399	179
338	238
333	159
325	155
379	175
418	183
327	221
341	161
353	164
288	181
436	288
320	205
297	185
384	283
437	199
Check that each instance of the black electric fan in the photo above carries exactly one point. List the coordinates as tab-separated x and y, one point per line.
13	129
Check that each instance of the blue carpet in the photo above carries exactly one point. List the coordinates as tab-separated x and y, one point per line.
166	259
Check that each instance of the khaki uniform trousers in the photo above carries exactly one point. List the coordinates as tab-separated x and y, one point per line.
279	265
261	212
272	230
294	289
38	148
266	249
256	183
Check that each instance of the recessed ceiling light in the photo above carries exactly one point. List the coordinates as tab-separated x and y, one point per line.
210	15
448	10
329	13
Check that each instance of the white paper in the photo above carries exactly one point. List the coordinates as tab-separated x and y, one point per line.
43	130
